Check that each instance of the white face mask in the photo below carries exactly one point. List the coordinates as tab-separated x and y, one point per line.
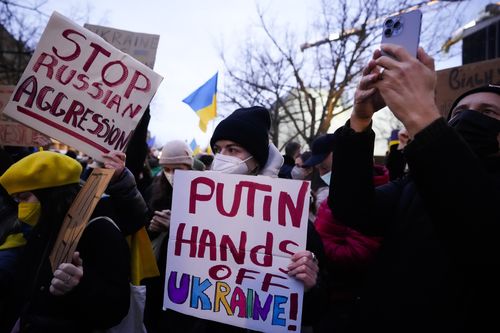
230	164
170	177
298	173
326	178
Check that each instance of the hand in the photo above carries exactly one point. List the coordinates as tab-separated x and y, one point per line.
67	276
115	160
367	99
160	221
41	140
408	87
304	267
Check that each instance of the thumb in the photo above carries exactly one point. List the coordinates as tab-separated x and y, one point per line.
426	59
77	261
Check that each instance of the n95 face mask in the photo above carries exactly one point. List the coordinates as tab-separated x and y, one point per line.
230	164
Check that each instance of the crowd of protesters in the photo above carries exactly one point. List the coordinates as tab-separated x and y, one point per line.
409	246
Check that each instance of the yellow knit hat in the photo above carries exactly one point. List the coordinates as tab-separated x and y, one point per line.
41	170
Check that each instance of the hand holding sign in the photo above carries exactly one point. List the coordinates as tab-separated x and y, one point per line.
160	221
67	276
115	160
304	267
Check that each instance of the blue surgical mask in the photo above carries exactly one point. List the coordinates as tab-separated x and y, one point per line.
326	177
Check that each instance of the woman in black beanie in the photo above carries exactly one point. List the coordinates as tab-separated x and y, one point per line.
241	146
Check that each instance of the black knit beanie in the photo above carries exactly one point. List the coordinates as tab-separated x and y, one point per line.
248	127
488	88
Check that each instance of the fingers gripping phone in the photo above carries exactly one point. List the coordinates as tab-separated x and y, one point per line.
403	30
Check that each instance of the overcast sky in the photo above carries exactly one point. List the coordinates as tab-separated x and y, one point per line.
190	32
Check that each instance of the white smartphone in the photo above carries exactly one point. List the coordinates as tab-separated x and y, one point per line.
403	30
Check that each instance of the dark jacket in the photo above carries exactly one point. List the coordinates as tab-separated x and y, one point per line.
159	197
395	162
437	268
124	204
286	168
99	301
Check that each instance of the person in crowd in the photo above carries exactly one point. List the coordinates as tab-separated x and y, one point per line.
437	266
395	161
348	256
292	152
321	161
175	155
299	171
198	165
241	146
207	159
92	291
124	203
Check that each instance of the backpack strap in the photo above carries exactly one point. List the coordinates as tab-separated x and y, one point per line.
104	218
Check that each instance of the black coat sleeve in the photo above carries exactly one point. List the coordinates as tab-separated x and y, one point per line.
125	204
102	298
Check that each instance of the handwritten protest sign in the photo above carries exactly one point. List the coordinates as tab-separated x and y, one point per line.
231	239
13	133
452	82
139	45
78	215
82	91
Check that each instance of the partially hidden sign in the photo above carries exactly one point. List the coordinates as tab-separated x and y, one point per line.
452	82
231	240
13	133
82	91
139	45
78	215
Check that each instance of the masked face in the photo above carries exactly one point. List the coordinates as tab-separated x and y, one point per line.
230	164
478	130
298	173
29	212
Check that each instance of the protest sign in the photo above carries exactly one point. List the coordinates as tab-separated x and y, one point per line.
78	215
139	45
13	133
231	239
82	91
452	82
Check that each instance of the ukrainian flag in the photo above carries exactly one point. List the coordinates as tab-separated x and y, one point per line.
194	147
204	102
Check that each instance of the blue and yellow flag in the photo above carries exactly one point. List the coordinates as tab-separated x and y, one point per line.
194	147
204	102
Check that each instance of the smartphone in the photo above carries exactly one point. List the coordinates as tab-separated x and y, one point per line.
403	30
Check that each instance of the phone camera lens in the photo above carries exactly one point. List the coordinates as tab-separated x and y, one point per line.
388	33
389	23
397	25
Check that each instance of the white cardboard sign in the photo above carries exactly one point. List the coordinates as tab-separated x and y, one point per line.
139	45
82	91
231	240
13	133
